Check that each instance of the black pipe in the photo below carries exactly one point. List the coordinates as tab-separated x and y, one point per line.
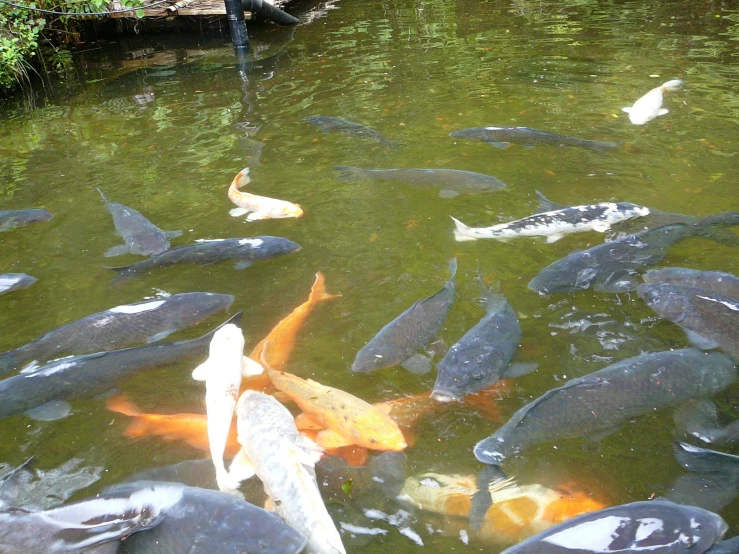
268	11
236	23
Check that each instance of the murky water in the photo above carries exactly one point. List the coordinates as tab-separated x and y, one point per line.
164	130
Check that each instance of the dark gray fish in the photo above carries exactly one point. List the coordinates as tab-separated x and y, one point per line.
729	546
482	355
141	235
502	137
699	419
653	527
715	281
90	374
328	124
150	321
210	522
83	526
15	281
205	252
10	219
452	180
600	402
412	330
710	320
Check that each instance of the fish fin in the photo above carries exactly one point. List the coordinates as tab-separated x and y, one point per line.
257	216
500	145
159	336
554	238
520	369
448	193
241	468
50	411
453	268
417	364
546	205
663	111
626	110
269	505
105	548
702	460
462	232
201	372
602	434
238	212
243	264
699	341
624	283
318	290
482	499
331	439
242	179
304	422
120	404
308	451
698	418
119	250
250	368
172	234
348	172
439	347
600	226
104	197
229	484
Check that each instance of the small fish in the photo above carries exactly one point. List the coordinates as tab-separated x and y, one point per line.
600	402
502	137
222	375
412	330
141	236
150	321
258	207
453	181
245	250
328	124
710	320
15	281
649	106
10	219
715	281
273	449
90	374
654	527
699	419
555	224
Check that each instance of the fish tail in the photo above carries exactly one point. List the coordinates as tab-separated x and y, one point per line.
672	85
462	232
8	361
242	179
120	404
348	172
453	268
714	227
318	290
105	199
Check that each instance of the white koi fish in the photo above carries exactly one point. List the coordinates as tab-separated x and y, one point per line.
258	207
284	460
649	106
222	373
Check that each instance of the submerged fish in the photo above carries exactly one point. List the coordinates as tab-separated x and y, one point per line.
284	461
452	180
649	106
699	419
715	281
258	207
657	527
10	219
141	236
502	137
15	281
710	320
205	252
409	332
600	402
150	321
210	521
91	374
328	124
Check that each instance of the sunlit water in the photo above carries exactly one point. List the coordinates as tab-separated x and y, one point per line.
167	139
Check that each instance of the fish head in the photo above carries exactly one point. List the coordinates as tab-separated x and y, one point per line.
381	432
575	272
671	302
632	210
719	371
368	360
147	244
293	210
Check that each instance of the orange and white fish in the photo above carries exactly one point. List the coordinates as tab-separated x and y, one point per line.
258	207
649	106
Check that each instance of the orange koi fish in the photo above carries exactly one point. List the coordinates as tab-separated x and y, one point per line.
258	207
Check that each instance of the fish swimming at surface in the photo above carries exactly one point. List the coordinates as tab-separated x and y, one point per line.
10	219
502	137
649	106
328	124
15	281
715	281
257	207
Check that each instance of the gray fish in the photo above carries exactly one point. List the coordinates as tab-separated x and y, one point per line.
699	419
150	321
207	521
328	124
205	252
710	320
600	402
400	339
15	281
715	281
502	137
141	235
729	546
90	374
10	219
482	355
86	525
452	180
653	527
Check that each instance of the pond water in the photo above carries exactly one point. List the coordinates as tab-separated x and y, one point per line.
163	123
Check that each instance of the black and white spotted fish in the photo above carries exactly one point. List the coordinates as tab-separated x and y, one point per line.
555	224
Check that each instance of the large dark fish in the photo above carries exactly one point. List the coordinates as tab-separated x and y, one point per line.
716	281
482	355
452	180
10	219
205	252
91	374
328	124
207	521
141	235
600	402
410	331
502	137
652	527
699	419
119	327
710	320
15	281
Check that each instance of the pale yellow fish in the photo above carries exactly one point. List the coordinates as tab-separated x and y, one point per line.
649	106
258	207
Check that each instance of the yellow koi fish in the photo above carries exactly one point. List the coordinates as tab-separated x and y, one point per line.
258	207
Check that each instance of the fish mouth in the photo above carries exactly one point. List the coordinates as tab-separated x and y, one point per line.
444	396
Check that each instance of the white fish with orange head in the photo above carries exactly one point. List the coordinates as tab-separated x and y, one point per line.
649	106
257	207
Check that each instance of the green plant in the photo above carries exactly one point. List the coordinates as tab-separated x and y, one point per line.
19	35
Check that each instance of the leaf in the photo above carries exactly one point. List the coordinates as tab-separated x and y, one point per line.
348	487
